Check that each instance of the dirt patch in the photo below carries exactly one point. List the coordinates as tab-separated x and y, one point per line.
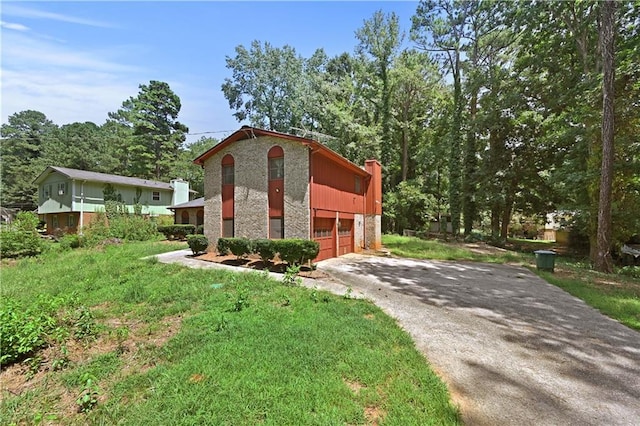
355	386
254	262
130	340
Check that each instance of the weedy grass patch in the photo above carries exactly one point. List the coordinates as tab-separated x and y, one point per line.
183	346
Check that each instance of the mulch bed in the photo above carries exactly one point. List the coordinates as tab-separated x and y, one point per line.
254	262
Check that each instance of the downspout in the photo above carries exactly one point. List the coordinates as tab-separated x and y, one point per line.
81	207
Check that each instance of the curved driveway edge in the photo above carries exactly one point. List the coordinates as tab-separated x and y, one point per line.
513	349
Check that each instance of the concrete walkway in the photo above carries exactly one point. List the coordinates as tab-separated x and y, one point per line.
513	349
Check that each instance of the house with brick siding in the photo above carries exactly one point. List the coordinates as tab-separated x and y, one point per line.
69	199
265	184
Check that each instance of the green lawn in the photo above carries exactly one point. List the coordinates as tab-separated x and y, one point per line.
163	344
615	295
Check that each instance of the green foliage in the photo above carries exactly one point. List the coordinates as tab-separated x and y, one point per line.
122	226
265	248
290	277
24	138
408	206
27	327
177	231
157	134
88	398
70	241
22	238
223	246
297	251
239	247
197	243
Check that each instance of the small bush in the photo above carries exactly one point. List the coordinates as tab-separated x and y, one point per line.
22	239
70	241
240	247
177	231
200	229
265	248
297	251
223	246
197	243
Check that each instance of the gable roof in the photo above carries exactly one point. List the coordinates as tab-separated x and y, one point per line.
84	175
246	132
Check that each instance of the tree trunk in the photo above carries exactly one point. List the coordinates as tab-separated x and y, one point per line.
468	180
405	154
603	261
455	179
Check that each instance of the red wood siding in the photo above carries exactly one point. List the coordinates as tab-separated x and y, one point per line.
333	187
345	236
324	234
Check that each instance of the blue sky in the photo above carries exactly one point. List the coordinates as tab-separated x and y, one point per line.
77	61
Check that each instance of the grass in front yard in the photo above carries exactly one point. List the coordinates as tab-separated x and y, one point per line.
436	250
180	346
615	295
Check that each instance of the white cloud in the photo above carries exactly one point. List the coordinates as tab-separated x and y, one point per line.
66	85
13	26
25	12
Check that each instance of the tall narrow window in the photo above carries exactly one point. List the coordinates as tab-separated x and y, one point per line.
276	163
228	190
228	174
184	217
276	192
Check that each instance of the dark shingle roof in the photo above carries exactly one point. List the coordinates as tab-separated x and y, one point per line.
198	202
103	177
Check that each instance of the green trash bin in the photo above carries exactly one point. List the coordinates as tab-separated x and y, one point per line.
545	260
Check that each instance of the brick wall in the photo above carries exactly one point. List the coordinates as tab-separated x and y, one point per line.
251	189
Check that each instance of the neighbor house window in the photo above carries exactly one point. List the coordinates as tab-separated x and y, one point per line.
358	185
71	221
54	221
156	196
62	188
227	228
185	217
276	228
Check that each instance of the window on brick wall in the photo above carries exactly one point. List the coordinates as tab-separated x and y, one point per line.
227	228
276	228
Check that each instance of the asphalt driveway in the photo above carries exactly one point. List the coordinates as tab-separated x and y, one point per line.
513	349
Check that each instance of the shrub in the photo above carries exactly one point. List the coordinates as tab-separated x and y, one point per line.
126	227
22	239
24	331
297	251
178	231
200	229
265	248
197	243
240	246
223	246
70	241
